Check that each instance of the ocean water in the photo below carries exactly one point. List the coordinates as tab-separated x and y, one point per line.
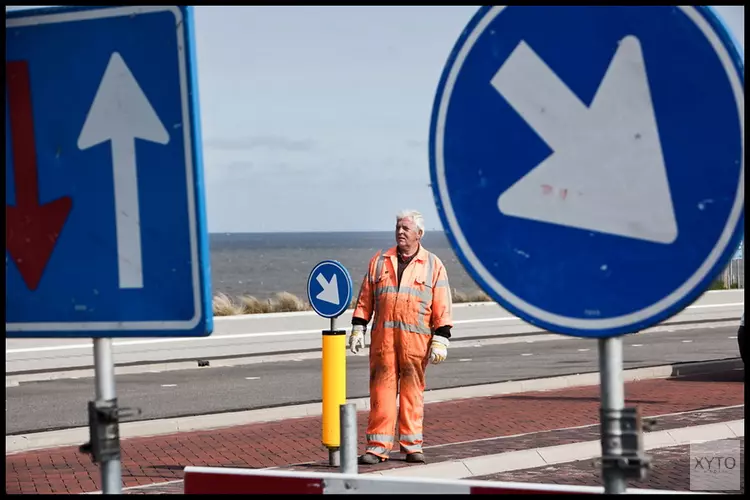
263	264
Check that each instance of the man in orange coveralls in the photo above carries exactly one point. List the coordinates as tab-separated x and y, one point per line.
406	294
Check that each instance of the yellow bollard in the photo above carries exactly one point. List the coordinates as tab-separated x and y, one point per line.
334	386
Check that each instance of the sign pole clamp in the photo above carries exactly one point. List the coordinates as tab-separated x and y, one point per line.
622	442
104	432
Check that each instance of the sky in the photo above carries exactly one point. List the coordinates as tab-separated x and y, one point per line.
317	118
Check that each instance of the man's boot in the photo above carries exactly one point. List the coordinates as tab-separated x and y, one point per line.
370	459
415	458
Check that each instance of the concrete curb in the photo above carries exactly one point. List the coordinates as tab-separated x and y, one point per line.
551	455
79	435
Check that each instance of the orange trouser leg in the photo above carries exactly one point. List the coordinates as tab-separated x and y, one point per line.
411	404
383	387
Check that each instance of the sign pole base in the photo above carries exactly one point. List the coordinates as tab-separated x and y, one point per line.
334	457
104	370
612	405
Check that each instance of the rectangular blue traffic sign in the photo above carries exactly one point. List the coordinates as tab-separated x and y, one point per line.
105	221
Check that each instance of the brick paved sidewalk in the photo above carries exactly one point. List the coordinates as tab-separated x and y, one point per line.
527	441
671	471
297	441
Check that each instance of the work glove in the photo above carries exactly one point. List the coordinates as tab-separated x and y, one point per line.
438	349
357	338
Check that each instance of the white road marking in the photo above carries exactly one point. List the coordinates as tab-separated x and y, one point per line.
252	378
465	359
686	341
169	385
527	354
732	337
637	345
583	350
213	338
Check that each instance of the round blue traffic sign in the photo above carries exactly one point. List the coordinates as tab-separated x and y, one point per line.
587	162
329	288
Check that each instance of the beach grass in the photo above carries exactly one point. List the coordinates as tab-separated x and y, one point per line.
224	305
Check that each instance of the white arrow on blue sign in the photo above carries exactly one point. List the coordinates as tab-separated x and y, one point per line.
105	220
588	162
329	289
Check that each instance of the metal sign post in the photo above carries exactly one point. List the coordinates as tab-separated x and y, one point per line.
623	455
612	403
104	419
104	369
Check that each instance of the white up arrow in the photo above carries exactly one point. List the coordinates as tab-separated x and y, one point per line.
121	114
606	172
330	291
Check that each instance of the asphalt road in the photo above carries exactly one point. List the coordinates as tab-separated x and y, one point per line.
57	404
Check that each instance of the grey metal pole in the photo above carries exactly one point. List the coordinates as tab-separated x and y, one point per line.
612	405
348	417
104	370
334	457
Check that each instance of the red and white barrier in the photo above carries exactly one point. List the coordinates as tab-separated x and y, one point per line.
219	480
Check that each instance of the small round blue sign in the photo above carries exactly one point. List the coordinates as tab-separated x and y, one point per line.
329	289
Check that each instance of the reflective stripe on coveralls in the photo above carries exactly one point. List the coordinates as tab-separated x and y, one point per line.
403	319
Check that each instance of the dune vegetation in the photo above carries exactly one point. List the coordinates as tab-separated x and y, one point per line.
224	305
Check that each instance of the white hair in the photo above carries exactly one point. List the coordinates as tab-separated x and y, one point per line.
415	215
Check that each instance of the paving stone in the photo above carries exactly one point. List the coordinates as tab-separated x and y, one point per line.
453	430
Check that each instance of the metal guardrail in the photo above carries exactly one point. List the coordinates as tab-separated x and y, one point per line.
734	274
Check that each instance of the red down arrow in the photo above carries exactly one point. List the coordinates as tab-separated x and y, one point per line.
31	229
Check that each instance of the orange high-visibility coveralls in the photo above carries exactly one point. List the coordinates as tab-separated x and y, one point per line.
403	321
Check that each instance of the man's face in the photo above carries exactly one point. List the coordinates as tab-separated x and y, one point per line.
407	234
